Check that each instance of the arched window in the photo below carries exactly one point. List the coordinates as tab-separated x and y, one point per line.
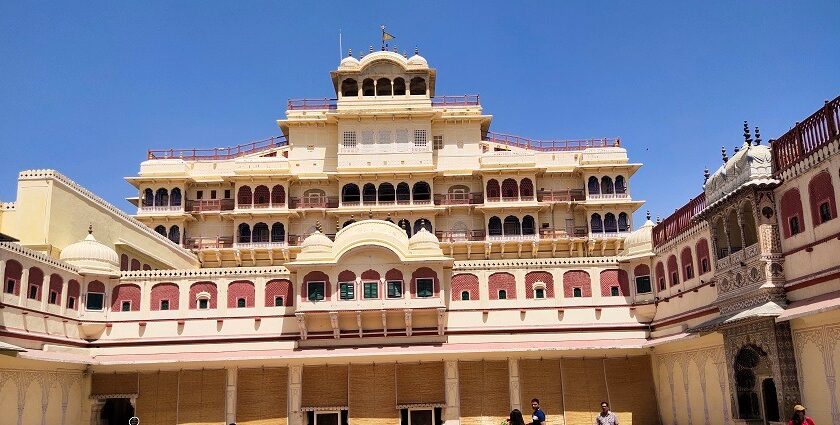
821	198
510	189
493	190
349	87
125	297
260	233
687	263
511	226
12	277
526	188
641	274
792	217
36	280
594	187
278	293
610	225
135	264
417	86
161	230
123	262
733	229
399	86
403	193
202	296
494	226
422	191
244	233
313	196
607	187
539	280
386	192
614	282
278	195
528	226
465	295
720	239
148	198
350	193
405	225
175	197
244	197
672	270
748	222
620	187
278	232
577	283
502	282
422	223
595	224
261	196
660	276
161	197
702	250
73	290
369	193
502	294
165	296
368	87
241	294
623	222
174	234
383	87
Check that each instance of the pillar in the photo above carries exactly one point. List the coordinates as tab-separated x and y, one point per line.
3	273
23	286
295	394
95	411
230	396
513	373
45	291
452	412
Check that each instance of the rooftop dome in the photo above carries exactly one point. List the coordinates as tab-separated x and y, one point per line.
751	164
349	62
92	257
316	242
423	239
640	241
417	60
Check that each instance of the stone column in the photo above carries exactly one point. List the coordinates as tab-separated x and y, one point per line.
23	286
230	396
295	394
95	411
45	291
513	388
3	273
452	413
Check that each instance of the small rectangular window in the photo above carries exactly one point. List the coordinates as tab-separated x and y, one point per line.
227	193
10	286
794	225
614	291
689	271
164	305
240	303
437	142
539	293
125	306
420	138
212	194
95	301
348	140
425	287
371	290
315	291
53	297
199	194
661	283
704	265
347	290
465	295
502	294
33	292
395	289
825	212
278	301
203	304
71	302
643	285
577	293
675	278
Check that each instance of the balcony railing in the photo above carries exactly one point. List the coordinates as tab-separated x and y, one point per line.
260	206
679	221
550	145
296	240
313	202
459	198
806	137
312	104
204	205
608	196
510	199
561	195
460	235
454	101
495	238
160	208
376	202
253	245
571	231
604	235
218	153
208	242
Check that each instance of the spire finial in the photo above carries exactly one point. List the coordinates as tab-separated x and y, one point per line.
416	50
737	148
747	137
647	215
350	53
318	226
370	49
705	175
370	214
90	229
723	154
757	136
658	219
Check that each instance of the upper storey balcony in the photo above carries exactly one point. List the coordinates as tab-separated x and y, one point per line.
217	154
162	201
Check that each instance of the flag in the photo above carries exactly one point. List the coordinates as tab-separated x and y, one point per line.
386	36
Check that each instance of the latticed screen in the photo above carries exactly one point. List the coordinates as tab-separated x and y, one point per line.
348	140
420	138
437	142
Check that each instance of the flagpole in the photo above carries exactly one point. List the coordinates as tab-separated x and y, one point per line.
340	48
382	27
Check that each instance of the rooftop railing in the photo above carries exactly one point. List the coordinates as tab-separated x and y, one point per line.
452	101
679	221
550	145
806	137
312	104
218	153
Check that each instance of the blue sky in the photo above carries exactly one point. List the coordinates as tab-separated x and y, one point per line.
88	87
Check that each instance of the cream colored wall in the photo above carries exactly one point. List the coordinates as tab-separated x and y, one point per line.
815	342
37	392
691	381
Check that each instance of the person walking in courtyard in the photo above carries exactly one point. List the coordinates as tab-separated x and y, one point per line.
538	418
799	417
606	417
515	418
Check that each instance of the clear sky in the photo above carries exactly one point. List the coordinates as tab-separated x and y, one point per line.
88	87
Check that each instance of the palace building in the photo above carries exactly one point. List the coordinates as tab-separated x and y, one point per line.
392	260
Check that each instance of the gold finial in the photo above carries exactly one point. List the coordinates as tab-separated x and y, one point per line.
747	137
90	229
318	226
757	136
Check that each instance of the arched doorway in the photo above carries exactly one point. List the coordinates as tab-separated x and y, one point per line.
116	411
756	391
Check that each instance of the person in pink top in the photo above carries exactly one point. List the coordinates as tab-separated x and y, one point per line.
799	417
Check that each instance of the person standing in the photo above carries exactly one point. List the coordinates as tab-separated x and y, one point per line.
516	418
606	417
799	417
538	418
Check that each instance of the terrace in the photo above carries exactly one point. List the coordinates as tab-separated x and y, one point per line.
806	137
